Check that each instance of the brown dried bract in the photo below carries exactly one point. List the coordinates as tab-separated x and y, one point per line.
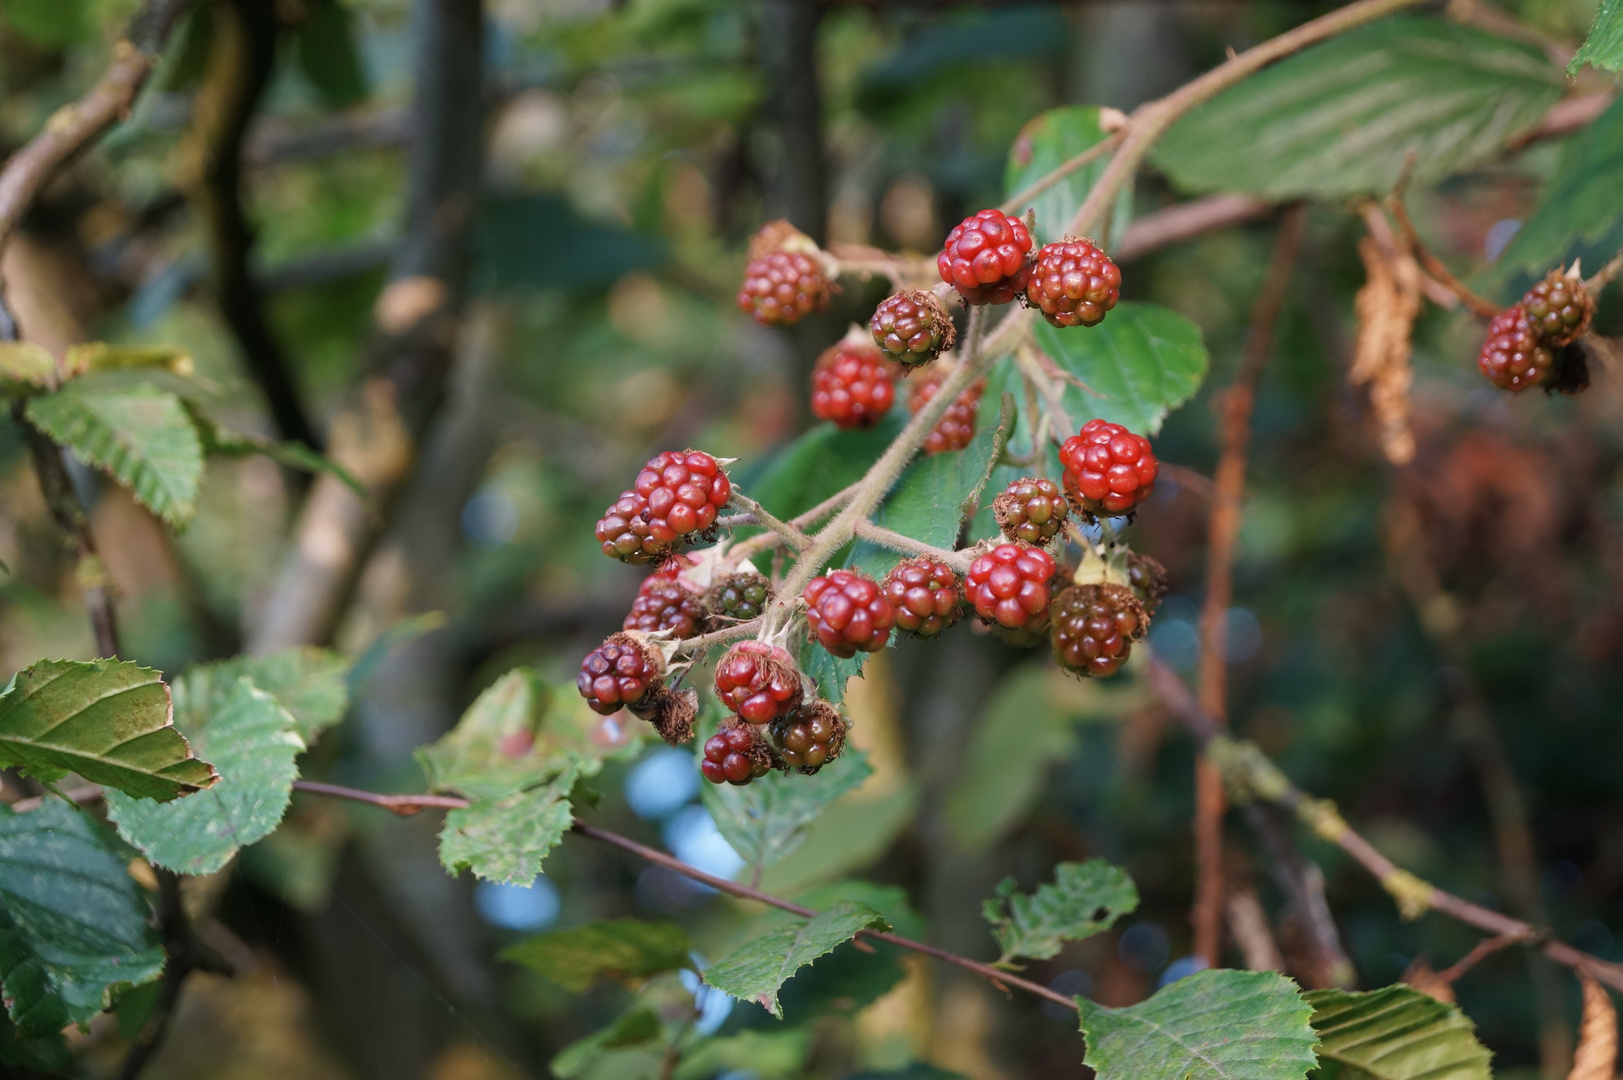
671	712
1596	1058
1386	308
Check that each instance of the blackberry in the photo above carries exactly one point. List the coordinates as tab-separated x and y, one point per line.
1512	357
620	672
1032	510
987	258
758	681
1008	586
736	754
810	737
739	597
912	328
1108	469
1073	283
853	385
925	594
847	612
782	287
676	496
1559	308
1094	627
956	428
664	603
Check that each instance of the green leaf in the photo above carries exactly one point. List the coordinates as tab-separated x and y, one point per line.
619	948
1029	724
307	681
1044	144
772	1055
767	820
507	838
820	463
918	1070
1340	118
1212	1025
253	742
1083	899
140	435
226	442
107	720
634	1028
1141	362
848	835
1603	48
1582	204
1395	1033
73	924
50	24
755	972
25	367
46	1053
328	54
89	356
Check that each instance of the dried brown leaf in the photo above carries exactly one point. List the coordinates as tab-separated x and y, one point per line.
1596	1058
1386	307
1420	976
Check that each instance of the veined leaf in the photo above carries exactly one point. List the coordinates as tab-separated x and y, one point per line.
634	1028
1045	144
140	435
1604	46
820	463
1340	118
73	923
1140	363
1394	1033
307	681
618	948
1083	899
107	720
1212	1025
756	971
253	742
767	820
506	838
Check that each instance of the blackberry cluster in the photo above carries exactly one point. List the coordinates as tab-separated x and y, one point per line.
911	328
1031	510
853	385
925	595
677	495
1094	627
1073	283
1008	586
1108	469
1513	358
810	737
736	754
758	681
619	673
987	258
663	603
956	428
847	612
739	597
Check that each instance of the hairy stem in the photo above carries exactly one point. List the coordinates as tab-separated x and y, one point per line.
785	530
958	560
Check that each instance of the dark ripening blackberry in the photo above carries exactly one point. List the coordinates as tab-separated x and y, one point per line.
1148	579
758	681
912	328
1031	510
987	258
925	594
956	428
847	612
1108	469
1513	358
620	672
1093	627
736	754
738	597
810	737
1008	586
853	385
1559	309
664	604
1073	283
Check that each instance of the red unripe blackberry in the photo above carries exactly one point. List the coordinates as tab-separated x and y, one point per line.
782	287
1512	357
624	533
911	328
1094	626
779	235
758	681
1108	469
1032	510
1008	585
987	258
738	597
925	594
810	737
620	672
1559	308
1149	580
853	385
956	428
676	495
736	754
848	612
663	603
1073	283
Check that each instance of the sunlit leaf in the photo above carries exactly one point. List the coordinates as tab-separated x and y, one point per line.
756	971
1141	362
617	948
1394	1033
1082	900
506	838
1043	145
307	681
1604	46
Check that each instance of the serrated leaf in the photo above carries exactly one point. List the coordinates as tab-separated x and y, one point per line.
1394	1033
1582	203
140	435
228	442
507	838
25	367
493	748
756	971
307	681
1140	363
73	924
1340	118
633	1028
766	821
1212	1025
1028	724
253	742
618	948
1043	145
1603	48
1082	900
107	720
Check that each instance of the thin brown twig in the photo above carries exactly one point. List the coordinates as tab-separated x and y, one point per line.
1017	202
1479	952
1432	265
402	805
1234	408
695	645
